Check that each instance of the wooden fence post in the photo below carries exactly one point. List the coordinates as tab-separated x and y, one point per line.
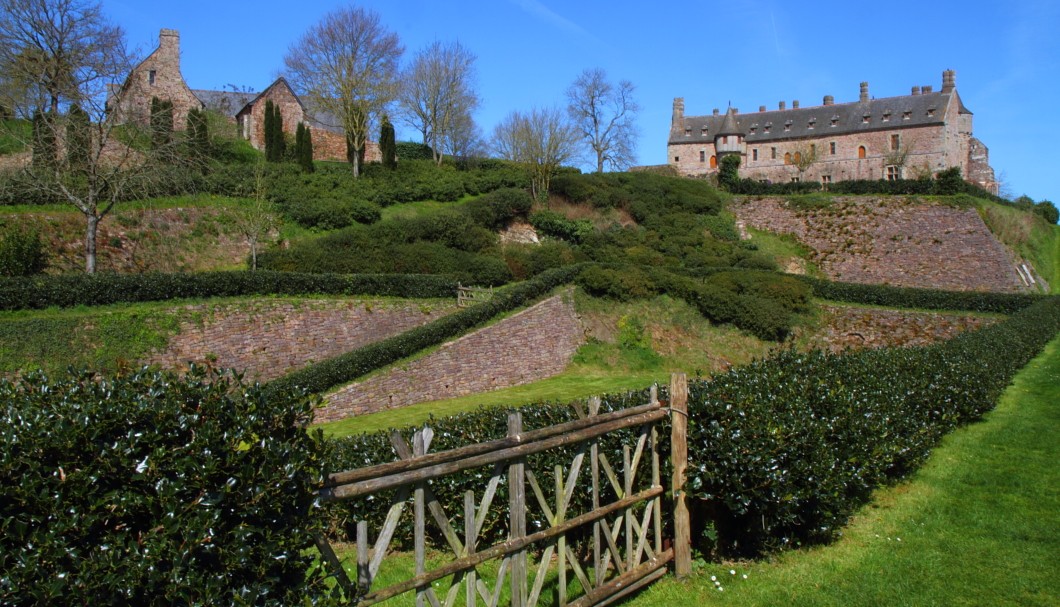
517	513
679	453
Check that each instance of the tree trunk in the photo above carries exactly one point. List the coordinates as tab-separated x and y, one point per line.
92	225
355	163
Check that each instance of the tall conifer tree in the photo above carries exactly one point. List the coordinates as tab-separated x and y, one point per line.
387	145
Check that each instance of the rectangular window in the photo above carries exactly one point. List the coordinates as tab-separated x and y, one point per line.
754	154
826	179
688	132
724	139
831	148
702	156
151	77
773	153
894	173
794	179
813	150
896	142
677	159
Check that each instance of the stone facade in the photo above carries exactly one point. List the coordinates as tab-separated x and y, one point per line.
531	345
895	241
267	340
157	76
907	136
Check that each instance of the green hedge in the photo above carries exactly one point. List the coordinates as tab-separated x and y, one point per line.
149	489
69	290
342	369
785	449
928	299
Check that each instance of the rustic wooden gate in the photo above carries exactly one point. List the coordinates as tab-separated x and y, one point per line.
625	550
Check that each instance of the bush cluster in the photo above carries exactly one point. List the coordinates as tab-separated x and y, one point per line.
785	449
70	290
927	299
149	489
325	375
22	253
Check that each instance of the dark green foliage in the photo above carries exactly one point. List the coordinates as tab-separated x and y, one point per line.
69	290
729	172
149	489
785	449
275	143
303	147
78	138
927	299
498	208
526	260
5	112
554	225
198	134
22	253
1047	211
411	150
345	368
754	187
332	213
161	122
44	146
387	146
949	182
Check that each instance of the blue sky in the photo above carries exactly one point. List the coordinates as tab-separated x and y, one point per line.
744	52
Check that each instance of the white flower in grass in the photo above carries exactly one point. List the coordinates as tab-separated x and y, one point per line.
713	578
732	572
745	576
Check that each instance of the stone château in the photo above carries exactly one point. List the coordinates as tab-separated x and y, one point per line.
908	136
159	76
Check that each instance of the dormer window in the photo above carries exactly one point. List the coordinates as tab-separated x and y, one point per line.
813	123
906	115
887	116
931	111
767	127
688	132
865	118
703	131
754	127
787	125
835	119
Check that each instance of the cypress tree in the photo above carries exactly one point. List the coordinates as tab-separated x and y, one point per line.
270	132
303	147
279	143
161	122
78	138
387	145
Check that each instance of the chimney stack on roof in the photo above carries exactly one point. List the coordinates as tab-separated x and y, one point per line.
761	108
715	111
949	81
679	110
795	104
829	100
915	91
783	105
926	89
864	92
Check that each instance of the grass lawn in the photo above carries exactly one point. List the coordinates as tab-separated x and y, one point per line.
978	525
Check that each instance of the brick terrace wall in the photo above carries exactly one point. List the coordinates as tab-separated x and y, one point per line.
534	344
329	145
848	327
893	241
270	339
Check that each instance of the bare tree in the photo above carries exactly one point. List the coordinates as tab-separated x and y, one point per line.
438	94
347	66
61	54
542	140
605	116
257	220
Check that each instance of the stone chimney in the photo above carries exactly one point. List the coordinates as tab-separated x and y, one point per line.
926	89
864	92
169	45
949	81
715	111
829	100
679	111
761	108
783	105
795	104
915	91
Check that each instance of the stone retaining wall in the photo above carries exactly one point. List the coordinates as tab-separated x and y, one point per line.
892	241
270	339
847	327
529	346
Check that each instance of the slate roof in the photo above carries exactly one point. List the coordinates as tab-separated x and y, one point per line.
888	113
227	102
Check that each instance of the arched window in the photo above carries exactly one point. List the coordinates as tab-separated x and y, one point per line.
713	162
861	151
797	158
787	157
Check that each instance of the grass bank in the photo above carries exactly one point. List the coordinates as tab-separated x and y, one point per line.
978	525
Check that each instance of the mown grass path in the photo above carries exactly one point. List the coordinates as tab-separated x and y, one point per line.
978	525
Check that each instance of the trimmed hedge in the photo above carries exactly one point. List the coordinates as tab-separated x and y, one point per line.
69	290
342	369
784	450
928	299
151	489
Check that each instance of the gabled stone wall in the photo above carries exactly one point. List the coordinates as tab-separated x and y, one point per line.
158	76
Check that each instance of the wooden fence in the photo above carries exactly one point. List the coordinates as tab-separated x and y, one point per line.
469	296
613	549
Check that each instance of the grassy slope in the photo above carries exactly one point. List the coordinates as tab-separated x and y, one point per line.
978	525
1029	236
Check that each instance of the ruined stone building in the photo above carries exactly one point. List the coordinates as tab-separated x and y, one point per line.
907	136
159	76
